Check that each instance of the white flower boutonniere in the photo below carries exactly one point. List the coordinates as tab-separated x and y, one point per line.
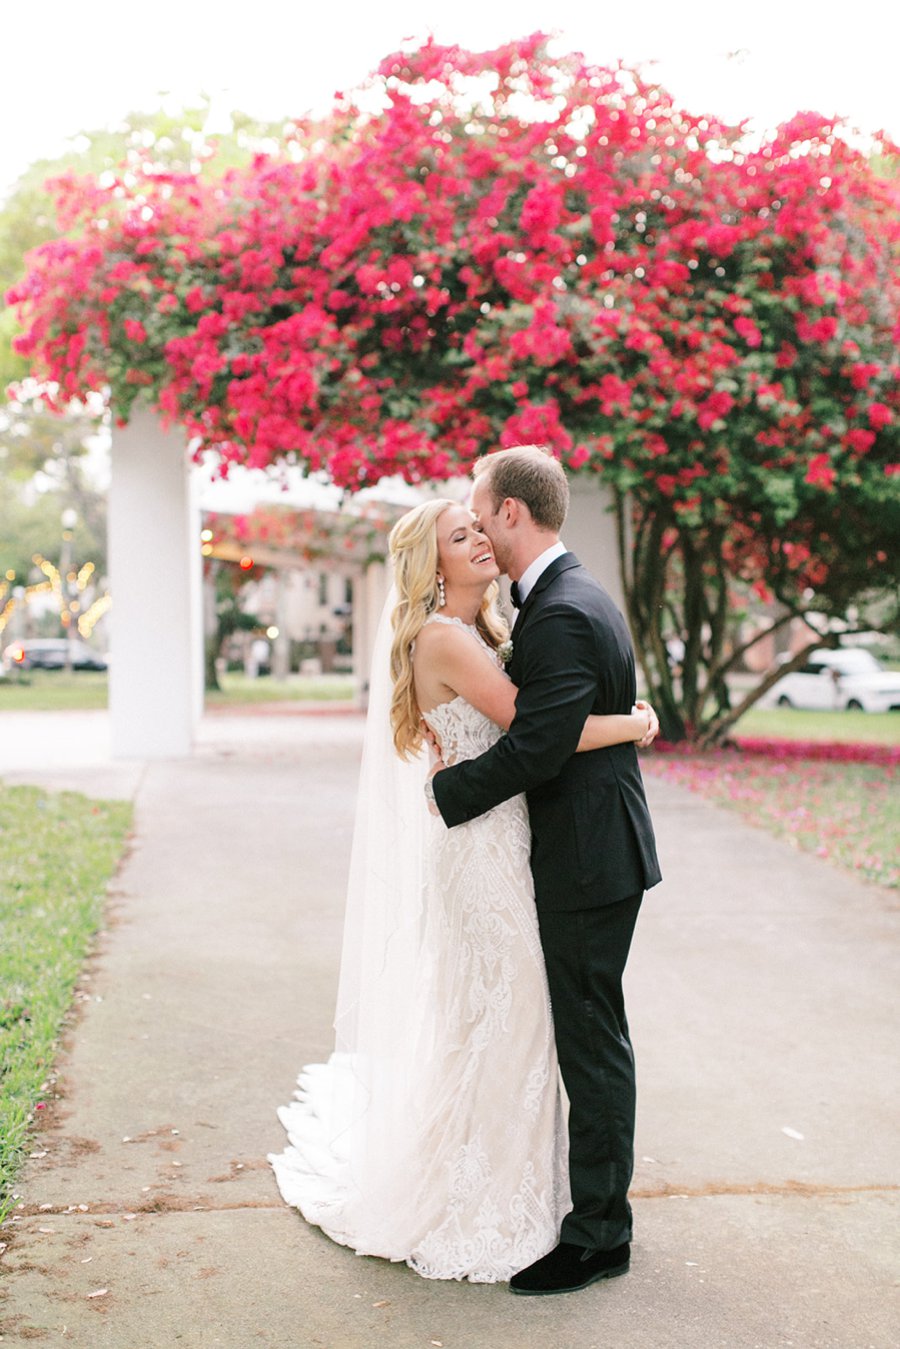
505	650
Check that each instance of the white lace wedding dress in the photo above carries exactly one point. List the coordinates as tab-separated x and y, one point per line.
478	1186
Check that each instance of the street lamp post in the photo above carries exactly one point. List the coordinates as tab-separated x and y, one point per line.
69	520
20	613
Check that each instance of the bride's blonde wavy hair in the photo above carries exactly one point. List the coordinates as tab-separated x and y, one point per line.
414	552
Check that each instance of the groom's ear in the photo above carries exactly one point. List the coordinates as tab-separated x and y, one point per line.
511	510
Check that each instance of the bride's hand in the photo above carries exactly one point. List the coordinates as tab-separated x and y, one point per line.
432	741
652	730
429	791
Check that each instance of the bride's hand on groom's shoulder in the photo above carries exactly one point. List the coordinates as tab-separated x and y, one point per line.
652	731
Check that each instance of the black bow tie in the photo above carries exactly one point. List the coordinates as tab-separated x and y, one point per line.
514	595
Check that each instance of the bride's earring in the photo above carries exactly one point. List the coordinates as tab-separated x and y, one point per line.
442	594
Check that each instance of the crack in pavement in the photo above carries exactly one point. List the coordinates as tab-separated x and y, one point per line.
198	1204
788	1189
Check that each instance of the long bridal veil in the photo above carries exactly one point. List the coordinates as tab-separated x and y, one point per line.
353	1128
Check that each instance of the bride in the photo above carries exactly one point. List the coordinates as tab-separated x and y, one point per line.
434	1134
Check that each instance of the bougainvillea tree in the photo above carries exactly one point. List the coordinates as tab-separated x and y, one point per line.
511	247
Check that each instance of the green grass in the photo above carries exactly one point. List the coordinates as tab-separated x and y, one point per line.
237	689
786	723
54	690
57	854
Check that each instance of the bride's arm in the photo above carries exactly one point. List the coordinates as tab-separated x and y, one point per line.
466	670
641	725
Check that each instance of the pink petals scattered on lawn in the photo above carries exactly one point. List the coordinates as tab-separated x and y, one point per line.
837	801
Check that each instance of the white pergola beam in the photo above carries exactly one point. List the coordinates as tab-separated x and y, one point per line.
156	668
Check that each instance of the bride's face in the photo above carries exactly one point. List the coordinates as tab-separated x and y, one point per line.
465	556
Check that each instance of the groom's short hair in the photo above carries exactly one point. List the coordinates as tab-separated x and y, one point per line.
530	474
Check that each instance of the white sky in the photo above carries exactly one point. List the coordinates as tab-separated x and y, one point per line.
79	64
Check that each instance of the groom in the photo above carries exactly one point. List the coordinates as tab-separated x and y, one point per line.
593	851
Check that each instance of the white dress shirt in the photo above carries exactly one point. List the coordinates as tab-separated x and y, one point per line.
537	568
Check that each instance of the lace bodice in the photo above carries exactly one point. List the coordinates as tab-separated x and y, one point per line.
463	731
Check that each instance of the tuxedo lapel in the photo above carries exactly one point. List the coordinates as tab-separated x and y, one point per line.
558	565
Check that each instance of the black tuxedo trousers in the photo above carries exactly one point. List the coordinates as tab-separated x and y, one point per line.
593	855
585	951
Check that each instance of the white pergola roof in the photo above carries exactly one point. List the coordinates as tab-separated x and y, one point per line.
245	488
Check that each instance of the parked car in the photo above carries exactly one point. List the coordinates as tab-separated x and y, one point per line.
836	680
49	653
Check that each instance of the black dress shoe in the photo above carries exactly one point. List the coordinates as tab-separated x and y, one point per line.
568	1268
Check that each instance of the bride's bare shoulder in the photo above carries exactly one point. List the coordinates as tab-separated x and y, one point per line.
439	633
434	641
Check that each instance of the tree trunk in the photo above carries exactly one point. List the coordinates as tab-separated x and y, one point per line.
211	649
644	586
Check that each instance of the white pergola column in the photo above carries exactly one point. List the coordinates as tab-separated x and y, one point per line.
281	647
156	665
369	594
590	533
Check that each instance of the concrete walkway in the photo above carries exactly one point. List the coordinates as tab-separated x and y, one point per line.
763	998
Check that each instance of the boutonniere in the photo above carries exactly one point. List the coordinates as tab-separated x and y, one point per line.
505	650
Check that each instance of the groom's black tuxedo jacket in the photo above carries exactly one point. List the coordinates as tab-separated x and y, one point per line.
592	838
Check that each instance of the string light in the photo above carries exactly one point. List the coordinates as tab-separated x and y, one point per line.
91	616
10	607
69	609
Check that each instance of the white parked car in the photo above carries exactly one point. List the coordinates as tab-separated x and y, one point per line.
836	680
